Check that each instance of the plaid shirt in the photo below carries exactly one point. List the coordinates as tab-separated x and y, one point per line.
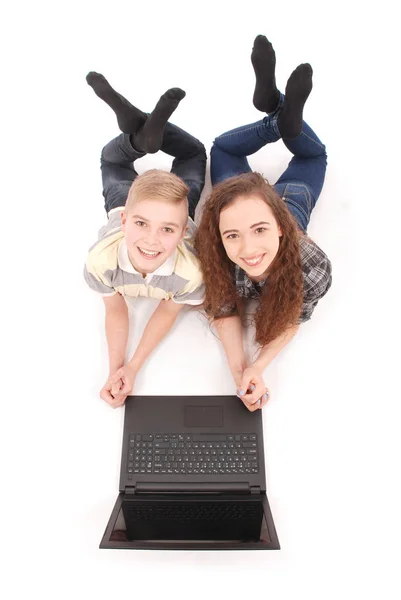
316	269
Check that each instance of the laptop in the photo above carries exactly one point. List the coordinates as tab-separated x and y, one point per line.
192	477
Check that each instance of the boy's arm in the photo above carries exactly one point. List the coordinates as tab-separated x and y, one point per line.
117	327
229	331
156	329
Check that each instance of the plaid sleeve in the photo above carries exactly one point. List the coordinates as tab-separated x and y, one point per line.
317	282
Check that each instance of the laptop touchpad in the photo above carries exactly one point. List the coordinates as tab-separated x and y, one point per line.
204	416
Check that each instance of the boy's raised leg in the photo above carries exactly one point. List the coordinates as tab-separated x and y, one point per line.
129	118
150	137
146	131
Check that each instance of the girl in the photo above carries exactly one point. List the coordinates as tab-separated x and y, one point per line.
252	240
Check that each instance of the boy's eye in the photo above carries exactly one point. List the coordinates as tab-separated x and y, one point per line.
168	230
140	223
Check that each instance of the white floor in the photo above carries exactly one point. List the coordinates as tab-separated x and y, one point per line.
331	427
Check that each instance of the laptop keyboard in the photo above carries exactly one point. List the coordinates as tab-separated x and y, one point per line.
192	454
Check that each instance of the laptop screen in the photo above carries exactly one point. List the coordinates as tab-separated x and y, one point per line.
197	518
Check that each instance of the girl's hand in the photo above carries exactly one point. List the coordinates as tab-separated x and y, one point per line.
252	389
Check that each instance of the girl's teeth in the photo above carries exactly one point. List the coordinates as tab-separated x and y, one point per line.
253	262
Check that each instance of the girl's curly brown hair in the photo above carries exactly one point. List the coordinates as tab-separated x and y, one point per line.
281	298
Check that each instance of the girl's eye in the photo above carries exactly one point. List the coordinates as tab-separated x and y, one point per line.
140	223
260	229
232	236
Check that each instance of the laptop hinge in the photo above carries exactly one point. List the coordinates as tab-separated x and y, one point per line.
190	488
255	489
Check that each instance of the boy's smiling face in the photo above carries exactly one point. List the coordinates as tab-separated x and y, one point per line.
153	229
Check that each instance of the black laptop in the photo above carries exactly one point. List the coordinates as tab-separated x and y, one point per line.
192	477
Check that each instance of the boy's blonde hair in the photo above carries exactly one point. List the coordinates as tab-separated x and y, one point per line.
157	185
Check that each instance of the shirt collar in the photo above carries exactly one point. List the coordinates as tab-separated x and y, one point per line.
167	268
242	277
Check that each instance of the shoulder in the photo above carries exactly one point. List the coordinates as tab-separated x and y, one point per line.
187	264
316	265
103	256
311	254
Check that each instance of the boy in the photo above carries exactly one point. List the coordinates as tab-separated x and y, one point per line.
146	247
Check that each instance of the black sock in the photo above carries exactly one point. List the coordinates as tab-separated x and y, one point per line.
297	90
263	57
129	118
149	138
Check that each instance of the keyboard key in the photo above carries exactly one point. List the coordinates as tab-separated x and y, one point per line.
205	437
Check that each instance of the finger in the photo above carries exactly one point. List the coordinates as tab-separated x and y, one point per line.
114	378
120	397
252	407
126	387
119	402
116	387
106	395
252	398
263	400
246	384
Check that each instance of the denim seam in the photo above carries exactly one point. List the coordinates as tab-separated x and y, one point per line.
301	210
308	197
322	146
230	134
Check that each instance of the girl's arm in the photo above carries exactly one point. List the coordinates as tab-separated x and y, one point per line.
253	375
229	331
267	353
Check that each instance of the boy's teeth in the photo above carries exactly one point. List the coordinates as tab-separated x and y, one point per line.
148	253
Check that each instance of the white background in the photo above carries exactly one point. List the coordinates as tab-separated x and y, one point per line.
331	426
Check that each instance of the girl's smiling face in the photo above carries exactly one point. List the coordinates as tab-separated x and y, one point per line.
250	235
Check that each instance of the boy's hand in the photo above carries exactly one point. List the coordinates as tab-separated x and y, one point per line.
123	381
118	386
252	389
110	393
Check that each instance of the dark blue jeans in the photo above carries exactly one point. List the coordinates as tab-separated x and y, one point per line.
300	184
118	171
